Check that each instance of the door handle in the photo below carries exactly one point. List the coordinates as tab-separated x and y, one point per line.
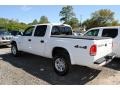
42	41
29	40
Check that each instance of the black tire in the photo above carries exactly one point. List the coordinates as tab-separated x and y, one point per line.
65	59
14	50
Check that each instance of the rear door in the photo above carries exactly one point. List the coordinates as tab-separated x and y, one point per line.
38	40
113	33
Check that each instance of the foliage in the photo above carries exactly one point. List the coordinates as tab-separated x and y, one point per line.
74	22
103	17
43	19
66	14
35	22
12	24
115	23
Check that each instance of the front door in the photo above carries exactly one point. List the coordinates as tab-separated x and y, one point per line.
27	39
38	40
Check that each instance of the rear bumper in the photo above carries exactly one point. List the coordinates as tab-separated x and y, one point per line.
4	43
105	60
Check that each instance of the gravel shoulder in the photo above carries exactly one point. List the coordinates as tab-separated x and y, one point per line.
35	70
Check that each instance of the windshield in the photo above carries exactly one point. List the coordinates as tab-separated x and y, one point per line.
59	30
4	33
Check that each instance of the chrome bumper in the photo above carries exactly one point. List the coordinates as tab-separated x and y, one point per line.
4	43
105	60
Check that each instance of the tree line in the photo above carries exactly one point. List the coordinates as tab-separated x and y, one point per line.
99	18
16	25
102	17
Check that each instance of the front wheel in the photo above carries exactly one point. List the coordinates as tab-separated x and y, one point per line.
14	50
61	64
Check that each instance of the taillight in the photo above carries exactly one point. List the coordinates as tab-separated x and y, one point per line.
93	50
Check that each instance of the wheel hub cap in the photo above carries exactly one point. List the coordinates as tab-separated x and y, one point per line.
60	64
13	50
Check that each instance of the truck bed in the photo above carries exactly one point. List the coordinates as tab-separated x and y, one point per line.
80	37
76	47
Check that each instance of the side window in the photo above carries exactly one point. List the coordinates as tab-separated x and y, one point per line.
40	30
110	33
92	32
28	31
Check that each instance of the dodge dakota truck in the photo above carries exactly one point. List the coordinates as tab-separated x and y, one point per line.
57	42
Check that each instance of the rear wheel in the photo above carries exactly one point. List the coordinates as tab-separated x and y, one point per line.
61	63
14	50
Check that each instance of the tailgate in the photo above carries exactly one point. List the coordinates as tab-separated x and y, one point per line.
104	47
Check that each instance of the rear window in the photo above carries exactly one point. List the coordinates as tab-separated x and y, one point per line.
61	30
110	33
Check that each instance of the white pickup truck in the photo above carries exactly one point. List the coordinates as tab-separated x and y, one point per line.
57	42
111	31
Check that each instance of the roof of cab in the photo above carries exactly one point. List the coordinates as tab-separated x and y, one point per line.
51	24
105	27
